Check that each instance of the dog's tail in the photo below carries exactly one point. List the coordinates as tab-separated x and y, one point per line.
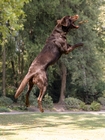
23	84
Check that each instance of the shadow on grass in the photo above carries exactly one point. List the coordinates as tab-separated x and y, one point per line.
10	124
3	132
80	121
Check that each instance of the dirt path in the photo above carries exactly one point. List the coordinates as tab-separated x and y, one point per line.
65	112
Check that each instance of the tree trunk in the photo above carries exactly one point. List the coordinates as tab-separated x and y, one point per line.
19	65
22	62
13	67
4	72
85	84
63	83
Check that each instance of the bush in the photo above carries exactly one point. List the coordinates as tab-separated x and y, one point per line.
5	101
22	98
33	100
4	109
47	102
95	106
84	107
103	93
72	103
21	102
10	90
101	100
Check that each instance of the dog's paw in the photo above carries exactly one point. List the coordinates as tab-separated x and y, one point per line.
80	44
42	110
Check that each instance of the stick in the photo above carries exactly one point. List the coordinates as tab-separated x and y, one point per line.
83	21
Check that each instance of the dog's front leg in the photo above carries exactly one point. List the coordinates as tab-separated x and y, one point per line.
71	48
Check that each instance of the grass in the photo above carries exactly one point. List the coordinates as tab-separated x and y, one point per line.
52	126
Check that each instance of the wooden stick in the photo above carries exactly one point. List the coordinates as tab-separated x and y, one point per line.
83	21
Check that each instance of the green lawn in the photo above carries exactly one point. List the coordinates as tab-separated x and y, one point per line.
52	126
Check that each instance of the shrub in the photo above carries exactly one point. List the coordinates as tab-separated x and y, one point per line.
95	106
33	100
21	102
72	103
4	109
84	107
22	98
5	101
47	102
103	93
101	100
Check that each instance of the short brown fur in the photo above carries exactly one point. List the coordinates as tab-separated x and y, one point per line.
55	46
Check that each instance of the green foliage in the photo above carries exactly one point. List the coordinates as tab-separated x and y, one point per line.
84	107
22	98
33	100
10	16
101	100
72	103
4	109
95	106
84	65
21	102
103	92
5	101
47	102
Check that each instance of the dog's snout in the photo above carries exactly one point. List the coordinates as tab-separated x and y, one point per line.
76	16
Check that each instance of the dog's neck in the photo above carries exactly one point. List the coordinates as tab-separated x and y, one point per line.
59	31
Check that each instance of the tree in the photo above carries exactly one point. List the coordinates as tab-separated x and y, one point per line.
83	64
4	73
10	11
63	82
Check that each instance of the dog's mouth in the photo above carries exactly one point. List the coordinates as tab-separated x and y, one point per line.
73	20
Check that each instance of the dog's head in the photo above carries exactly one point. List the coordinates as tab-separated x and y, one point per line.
68	22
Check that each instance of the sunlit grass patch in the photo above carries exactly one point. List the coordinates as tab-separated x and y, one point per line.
27	126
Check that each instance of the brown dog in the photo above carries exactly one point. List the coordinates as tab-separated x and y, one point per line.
55	46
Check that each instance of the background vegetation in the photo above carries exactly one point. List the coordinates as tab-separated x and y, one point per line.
24	27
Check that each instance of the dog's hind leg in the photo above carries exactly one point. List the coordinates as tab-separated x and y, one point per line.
30	85
40	79
41	94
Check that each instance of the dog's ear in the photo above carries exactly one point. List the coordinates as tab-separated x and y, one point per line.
58	21
63	21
